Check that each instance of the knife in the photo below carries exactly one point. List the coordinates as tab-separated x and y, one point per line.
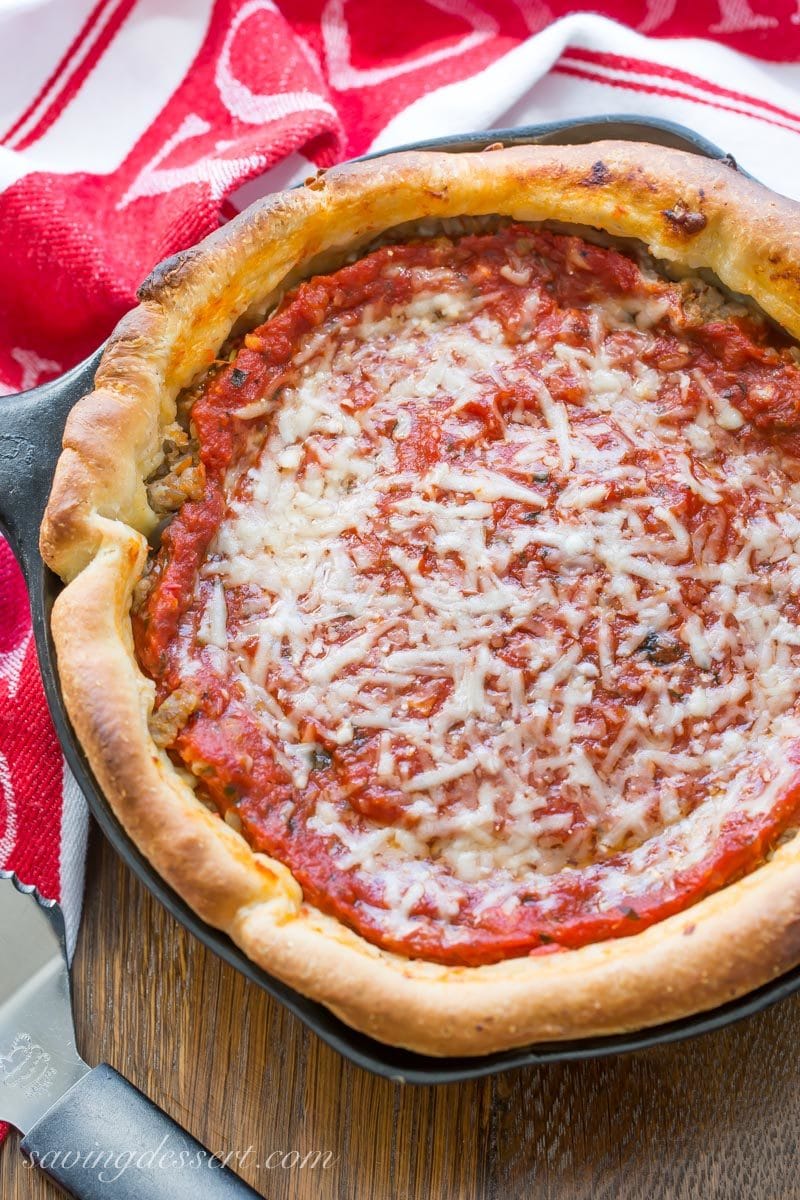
93	1133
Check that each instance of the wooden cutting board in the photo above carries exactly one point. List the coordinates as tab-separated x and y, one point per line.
715	1119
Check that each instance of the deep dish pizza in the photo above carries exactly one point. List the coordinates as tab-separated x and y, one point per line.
459	679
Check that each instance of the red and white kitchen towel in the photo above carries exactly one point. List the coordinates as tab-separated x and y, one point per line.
131	128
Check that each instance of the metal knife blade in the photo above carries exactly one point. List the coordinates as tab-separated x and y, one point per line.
63	1106
38	1059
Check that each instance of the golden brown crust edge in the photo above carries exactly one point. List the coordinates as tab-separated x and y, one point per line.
690	210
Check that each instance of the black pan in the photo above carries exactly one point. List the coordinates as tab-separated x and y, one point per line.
31	425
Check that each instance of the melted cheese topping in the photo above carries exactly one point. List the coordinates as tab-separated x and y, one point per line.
542	580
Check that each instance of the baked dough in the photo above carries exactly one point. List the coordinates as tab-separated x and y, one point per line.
689	211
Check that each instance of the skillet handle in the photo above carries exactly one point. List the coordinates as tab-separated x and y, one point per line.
31	427
105	1138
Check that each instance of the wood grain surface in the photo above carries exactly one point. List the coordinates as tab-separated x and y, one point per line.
714	1119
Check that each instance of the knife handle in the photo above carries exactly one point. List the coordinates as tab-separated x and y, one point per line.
104	1138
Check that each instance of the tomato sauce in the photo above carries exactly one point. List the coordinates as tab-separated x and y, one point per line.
238	763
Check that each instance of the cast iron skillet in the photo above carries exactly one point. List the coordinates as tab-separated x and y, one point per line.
31	425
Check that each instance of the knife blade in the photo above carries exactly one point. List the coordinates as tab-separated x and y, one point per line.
84	1127
38	1057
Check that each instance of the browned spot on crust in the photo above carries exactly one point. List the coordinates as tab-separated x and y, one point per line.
684	220
164	274
598	176
316	182
638	178
791	277
494	146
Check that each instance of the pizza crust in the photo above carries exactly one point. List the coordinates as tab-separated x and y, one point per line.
691	211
